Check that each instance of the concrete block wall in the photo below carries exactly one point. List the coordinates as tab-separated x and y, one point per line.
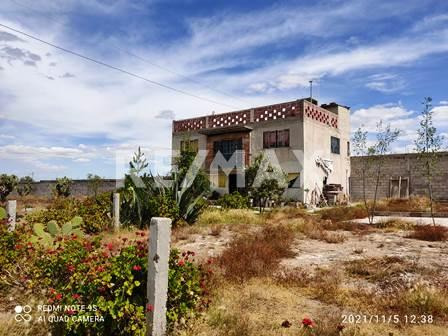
44	188
393	166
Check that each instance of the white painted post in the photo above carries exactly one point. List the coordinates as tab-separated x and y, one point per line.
12	210
116	211
157	288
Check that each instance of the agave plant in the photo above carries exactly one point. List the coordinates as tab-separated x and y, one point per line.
181	198
48	238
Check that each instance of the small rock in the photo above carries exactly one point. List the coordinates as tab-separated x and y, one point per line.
286	324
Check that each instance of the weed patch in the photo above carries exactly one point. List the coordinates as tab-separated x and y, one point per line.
429	233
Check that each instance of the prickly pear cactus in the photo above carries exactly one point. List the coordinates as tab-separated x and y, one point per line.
49	238
3	214
40	236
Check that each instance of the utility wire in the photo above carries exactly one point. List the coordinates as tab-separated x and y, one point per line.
145	60
90	59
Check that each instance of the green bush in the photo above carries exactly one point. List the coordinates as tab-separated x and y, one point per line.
62	188
110	278
7	185
95	212
234	201
25	186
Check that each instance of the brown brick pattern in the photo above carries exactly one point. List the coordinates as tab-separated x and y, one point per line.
189	124
294	109
319	114
229	119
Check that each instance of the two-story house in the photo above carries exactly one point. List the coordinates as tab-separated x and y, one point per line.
311	143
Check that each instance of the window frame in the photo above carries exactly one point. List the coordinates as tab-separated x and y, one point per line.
333	149
271	139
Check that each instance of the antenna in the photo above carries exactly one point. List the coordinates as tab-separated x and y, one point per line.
311	91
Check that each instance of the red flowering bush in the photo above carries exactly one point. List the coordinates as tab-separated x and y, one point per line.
109	280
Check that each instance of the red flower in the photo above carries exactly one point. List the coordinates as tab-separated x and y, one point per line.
76	296
181	263
137	268
100	269
71	268
110	246
58	296
149	308
50	300
71	312
18	247
51	290
307	322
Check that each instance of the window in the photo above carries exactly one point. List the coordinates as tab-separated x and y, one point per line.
222	179
227	147
293	180
348	148
276	139
399	187
335	145
190	145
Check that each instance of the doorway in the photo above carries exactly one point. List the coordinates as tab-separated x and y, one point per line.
233	183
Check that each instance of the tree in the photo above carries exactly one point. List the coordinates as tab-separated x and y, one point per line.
25	186
264	182
94	183
7	185
428	144
374	160
62	188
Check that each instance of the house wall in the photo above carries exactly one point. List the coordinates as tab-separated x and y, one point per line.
287	160
317	137
392	167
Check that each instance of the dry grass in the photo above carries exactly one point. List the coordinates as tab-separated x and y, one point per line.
429	233
343	213
229	218
256	255
379	269
395	223
260	305
413	203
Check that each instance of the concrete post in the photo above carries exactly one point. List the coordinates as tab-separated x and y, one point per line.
116	215
11	210
157	288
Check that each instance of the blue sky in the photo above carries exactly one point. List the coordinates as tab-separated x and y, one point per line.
60	115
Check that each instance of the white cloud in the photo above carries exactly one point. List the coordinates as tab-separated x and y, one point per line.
394	114
385	82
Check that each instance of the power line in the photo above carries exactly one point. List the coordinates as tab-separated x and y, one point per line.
90	59
145	60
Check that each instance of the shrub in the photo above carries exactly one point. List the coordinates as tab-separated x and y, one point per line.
429	233
94	183
62	188
25	186
7	185
234	201
95	212
256	255
111	278
230	217
343	213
